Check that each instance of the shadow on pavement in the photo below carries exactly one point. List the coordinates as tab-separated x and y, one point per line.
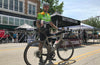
90	43
79	46
69	62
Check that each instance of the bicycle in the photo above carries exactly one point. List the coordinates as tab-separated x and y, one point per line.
48	50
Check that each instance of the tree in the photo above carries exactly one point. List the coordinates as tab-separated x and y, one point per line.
93	22
54	6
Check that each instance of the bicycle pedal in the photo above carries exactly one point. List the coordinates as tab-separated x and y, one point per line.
53	59
38	54
44	54
41	63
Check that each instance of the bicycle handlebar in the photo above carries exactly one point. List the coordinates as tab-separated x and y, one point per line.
62	31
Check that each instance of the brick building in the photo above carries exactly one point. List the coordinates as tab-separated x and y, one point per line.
14	13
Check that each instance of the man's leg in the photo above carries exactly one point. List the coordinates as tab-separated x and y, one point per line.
42	38
40	47
40	52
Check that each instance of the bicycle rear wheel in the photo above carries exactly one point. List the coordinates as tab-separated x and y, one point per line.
30	54
65	52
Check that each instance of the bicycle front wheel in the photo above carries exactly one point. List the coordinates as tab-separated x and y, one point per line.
30	57
65	52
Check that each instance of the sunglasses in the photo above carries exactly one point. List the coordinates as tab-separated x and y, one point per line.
46	6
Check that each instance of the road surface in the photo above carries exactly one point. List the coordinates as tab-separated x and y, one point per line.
12	54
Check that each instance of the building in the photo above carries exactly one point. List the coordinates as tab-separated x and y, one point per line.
14	13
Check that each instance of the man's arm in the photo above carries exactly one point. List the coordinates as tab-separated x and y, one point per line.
38	20
38	24
53	25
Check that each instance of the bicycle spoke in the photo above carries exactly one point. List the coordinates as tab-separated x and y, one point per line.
30	54
66	50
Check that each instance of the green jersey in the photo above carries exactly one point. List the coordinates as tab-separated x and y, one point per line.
44	16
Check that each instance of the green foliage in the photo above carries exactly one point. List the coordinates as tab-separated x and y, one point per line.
93	22
54	6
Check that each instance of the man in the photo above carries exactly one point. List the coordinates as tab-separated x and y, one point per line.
84	36
41	18
14	37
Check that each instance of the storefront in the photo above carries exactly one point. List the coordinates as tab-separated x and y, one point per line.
14	13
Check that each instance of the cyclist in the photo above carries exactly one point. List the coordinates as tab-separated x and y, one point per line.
41	18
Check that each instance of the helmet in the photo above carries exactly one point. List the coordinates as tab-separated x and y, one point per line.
45	4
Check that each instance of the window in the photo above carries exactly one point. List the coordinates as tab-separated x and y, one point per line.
26	21
11	4
31	23
11	21
16	22
20	6
30	8
16	5
21	21
0	3
6	4
33	10
0	19
5	20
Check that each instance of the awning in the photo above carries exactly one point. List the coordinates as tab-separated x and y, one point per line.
26	27
7	26
62	21
82	26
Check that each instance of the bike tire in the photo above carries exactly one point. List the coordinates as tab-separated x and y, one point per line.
26	51
59	48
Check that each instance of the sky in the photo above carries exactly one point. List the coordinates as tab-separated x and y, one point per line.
81	9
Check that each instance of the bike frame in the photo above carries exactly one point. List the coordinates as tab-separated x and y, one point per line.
49	46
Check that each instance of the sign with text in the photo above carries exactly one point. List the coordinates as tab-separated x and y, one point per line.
2	33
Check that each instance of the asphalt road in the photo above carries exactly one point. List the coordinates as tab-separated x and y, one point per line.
12	54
